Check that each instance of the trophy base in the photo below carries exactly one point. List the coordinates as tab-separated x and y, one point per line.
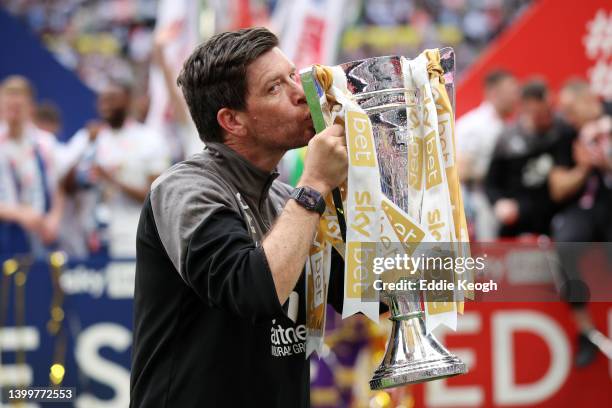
417	372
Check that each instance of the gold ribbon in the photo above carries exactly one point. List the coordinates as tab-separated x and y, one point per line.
434	68
444	108
325	77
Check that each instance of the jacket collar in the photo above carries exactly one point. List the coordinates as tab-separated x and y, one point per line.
244	175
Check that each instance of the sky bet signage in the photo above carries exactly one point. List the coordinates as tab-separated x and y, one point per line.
93	343
519	354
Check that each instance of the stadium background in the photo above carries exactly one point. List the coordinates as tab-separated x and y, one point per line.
70	49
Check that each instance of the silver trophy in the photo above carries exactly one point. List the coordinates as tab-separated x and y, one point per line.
412	355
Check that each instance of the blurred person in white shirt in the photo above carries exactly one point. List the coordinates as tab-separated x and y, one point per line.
31	203
177	124
120	158
477	132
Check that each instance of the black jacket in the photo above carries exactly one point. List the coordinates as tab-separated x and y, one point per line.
208	327
519	170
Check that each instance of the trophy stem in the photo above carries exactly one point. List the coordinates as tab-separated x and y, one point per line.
412	355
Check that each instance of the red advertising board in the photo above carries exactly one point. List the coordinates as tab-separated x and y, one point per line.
521	354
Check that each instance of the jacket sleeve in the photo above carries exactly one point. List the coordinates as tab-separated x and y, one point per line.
227	271
210	247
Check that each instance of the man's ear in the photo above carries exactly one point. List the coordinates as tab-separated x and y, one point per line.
233	122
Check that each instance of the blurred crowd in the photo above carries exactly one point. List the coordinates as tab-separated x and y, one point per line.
94	38
83	196
537	162
517	150
532	161
385	27
104	39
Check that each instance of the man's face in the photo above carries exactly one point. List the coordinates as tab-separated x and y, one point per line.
113	105
579	108
506	95
16	106
277	115
537	115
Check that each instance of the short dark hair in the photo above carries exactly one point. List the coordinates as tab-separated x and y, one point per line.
215	76
535	89
495	77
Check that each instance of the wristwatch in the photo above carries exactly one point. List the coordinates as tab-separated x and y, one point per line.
309	198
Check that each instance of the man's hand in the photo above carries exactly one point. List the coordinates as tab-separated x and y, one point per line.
29	219
162	38
99	172
326	163
288	243
506	211
49	230
582	156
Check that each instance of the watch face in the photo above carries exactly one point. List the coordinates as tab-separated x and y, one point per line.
310	198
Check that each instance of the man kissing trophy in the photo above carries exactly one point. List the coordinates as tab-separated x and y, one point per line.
402	198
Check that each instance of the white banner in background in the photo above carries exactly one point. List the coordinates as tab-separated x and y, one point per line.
185	14
309	30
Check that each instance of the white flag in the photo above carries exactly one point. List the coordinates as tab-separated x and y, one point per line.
309	30
183	15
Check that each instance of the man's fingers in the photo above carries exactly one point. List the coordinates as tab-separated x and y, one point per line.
338	132
342	140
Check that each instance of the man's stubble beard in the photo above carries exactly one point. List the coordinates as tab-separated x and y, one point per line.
292	140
